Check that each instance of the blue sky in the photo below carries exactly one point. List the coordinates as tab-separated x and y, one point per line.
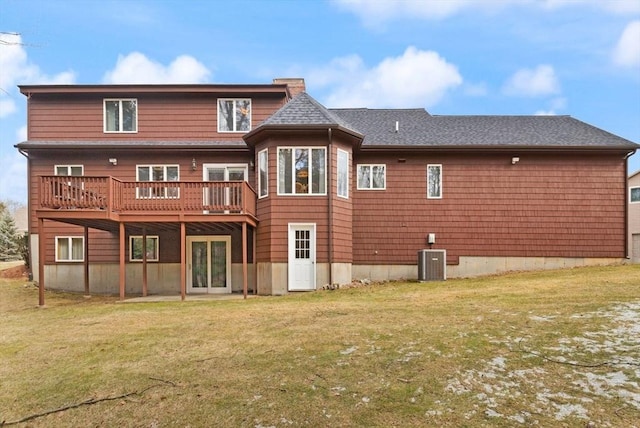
519	57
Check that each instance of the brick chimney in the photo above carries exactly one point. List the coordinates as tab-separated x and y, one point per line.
295	85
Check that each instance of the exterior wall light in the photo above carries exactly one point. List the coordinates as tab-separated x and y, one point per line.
194	165
113	161
515	160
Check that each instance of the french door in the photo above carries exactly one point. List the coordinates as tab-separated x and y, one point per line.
217	196
209	264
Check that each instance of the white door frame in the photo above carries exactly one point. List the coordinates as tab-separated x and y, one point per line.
209	289
294	265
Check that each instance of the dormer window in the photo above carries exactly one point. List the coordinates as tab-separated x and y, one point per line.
234	115
120	115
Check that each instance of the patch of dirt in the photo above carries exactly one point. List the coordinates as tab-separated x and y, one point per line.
15	272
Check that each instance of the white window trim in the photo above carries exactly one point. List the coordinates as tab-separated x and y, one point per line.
260	183
294	148
234	131
226	167
371	165
70	259
346	153
104	115
153	181
157	249
429	196
630	189
55	170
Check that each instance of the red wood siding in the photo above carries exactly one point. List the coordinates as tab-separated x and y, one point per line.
566	205
276	212
166	117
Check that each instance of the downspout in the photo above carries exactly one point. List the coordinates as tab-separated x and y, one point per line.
626	205
330	194
29	218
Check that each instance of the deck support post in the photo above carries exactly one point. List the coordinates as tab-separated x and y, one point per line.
41	254
122	260
245	281
183	261
144	262
86	261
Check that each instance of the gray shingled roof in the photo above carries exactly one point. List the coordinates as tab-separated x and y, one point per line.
424	130
418	129
304	110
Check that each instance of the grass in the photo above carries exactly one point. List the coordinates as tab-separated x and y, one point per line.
554	348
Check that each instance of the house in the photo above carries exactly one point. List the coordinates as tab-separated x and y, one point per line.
179	189
634	217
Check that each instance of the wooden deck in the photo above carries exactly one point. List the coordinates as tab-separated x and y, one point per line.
101	201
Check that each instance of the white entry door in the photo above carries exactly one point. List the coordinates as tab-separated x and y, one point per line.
302	257
209	264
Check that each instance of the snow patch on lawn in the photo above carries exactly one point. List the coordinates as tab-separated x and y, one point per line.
614	345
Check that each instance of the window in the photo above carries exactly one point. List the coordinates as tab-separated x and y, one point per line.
121	115
157	173
136	252
634	194
263	173
69	249
234	115
343	174
434	181
301	171
372	177
69	170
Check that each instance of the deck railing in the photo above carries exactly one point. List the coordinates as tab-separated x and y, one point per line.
113	195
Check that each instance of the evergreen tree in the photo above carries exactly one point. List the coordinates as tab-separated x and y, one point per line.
9	239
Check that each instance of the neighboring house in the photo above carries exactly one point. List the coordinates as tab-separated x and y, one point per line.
161	189
634	217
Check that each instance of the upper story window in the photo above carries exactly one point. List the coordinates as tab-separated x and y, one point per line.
263	173
302	171
69	170
343	174
155	174
434	181
121	115
372	177
634	194
234	115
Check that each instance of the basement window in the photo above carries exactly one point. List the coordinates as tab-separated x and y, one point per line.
69	249
136	248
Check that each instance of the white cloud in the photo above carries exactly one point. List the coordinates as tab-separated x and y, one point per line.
414	79
15	69
627	50
137	68
376	12
612	6
533	82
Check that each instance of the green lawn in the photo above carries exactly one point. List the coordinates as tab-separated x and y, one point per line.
555	348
